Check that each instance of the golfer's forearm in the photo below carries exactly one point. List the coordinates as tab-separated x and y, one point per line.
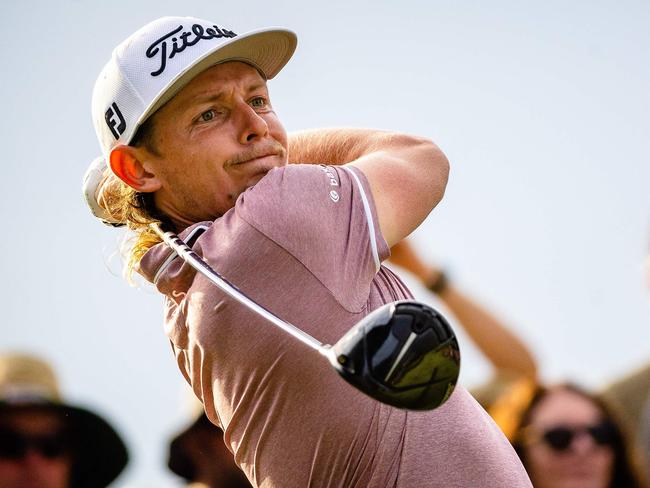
337	146
413	161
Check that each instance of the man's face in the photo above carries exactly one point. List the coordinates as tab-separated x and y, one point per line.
217	137
33	452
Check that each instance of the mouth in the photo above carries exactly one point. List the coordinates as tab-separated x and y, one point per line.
266	152
251	166
253	169
258	159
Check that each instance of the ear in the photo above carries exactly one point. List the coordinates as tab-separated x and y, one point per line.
125	163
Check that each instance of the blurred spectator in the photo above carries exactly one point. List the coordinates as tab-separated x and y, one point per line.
567	437
46	443
631	395
199	455
508	354
514	362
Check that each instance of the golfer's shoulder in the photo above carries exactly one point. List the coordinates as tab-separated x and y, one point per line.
313	212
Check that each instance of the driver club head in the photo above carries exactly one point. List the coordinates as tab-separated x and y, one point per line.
404	354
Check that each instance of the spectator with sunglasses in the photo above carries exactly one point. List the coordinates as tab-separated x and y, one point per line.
45	443
567	437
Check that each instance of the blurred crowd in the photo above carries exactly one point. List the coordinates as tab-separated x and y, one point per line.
567	436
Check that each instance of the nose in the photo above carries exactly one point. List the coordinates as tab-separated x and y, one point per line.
582	443
251	125
33	458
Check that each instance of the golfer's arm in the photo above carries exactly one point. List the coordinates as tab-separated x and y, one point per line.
407	174
333	146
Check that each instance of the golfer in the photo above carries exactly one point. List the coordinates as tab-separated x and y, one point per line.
300	224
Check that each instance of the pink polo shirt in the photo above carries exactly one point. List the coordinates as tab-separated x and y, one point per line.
305	243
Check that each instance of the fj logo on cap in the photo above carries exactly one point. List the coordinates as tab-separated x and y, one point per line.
115	120
181	41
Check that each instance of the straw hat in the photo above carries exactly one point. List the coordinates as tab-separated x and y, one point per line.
28	383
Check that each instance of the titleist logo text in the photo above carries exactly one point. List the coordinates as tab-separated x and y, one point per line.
164	51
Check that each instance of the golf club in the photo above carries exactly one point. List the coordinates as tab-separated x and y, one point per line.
404	354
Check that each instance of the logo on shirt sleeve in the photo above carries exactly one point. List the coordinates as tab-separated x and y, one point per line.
329	172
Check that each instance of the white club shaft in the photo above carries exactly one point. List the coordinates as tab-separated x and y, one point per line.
193	259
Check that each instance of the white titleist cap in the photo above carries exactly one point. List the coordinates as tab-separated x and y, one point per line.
157	61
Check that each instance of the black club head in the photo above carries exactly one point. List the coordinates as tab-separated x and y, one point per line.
404	354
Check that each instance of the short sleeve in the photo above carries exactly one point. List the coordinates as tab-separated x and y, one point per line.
325	217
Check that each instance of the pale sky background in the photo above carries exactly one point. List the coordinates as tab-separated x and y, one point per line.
542	108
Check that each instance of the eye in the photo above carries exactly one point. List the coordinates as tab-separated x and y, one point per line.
259	102
207	116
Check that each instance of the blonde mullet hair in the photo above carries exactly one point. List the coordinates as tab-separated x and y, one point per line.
137	211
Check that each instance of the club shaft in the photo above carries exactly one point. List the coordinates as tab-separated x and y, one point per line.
196	262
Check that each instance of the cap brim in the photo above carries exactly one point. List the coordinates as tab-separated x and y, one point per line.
266	49
100	455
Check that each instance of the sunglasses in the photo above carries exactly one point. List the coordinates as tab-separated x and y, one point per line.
15	445
561	437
